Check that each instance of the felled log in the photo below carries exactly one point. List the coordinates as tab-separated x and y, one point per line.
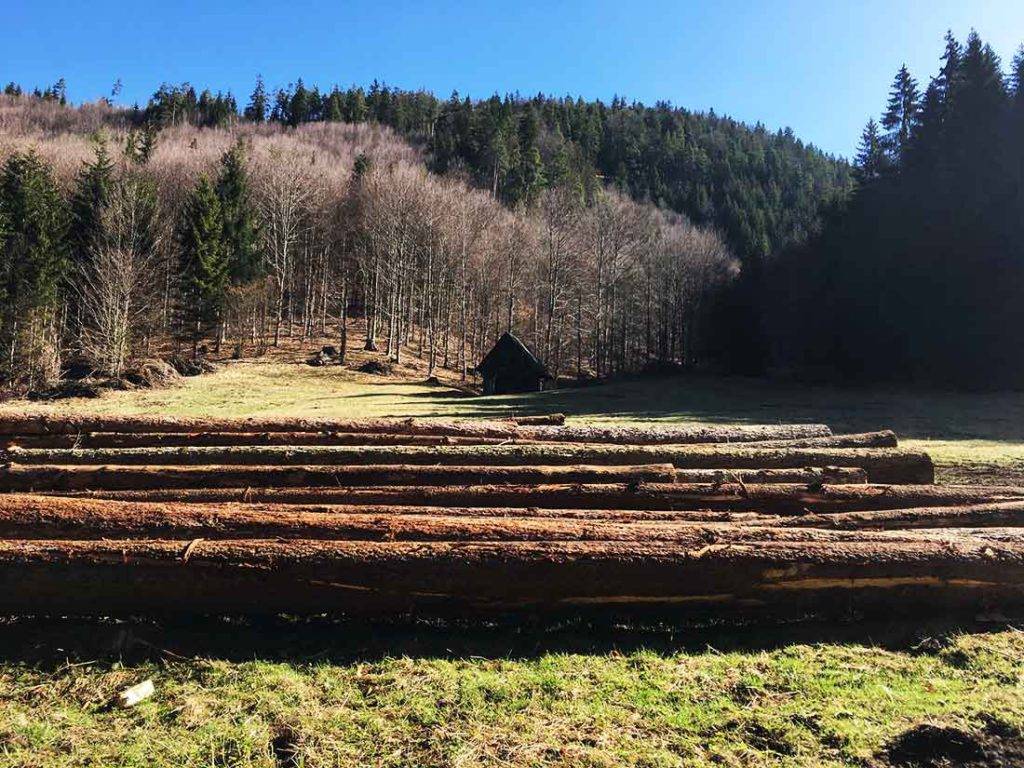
780	499
197	439
48	517
130	477
546	419
1008	514
883	465
821	572
805	476
654	434
885	438
244	499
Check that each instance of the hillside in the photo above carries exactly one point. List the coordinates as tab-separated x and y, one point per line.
762	190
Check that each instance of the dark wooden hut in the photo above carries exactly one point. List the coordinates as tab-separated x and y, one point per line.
511	367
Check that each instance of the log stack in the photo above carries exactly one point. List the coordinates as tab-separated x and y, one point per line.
391	517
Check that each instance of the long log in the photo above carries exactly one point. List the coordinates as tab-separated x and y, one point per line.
198	439
883	465
804	476
44	478
546	419
655	434
241	499
49	425
827	573
1008	514
780	499
47	517
885	438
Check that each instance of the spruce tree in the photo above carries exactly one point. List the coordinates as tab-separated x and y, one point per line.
900	118
33	265
871	159
88	201
204	268
257	109
240	229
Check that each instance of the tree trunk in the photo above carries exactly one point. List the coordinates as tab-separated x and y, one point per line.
883	465
732	573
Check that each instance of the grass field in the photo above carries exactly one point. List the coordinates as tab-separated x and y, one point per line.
324	694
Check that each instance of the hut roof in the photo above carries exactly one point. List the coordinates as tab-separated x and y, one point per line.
509	350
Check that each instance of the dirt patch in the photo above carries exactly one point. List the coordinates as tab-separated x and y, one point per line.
997	745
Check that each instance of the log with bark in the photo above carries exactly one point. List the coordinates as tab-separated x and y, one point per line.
883	439
654	434
197	439
883	465
780	499
43	478
777	499
815	476
48	517
546	419
242	499
818	572
1006	514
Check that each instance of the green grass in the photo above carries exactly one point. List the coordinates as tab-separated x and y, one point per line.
348	696
781	699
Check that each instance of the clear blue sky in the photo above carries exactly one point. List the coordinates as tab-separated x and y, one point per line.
821	67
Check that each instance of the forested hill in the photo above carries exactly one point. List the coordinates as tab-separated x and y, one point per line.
762	190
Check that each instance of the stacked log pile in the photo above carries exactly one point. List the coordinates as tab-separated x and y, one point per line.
389	517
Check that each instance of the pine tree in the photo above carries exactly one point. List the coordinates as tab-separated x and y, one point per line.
257	109
900	118
240	229
204	268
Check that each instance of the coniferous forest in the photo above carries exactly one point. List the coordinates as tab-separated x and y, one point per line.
611	237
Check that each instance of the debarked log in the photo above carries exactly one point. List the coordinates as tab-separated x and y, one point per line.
837	573
43	478
883	465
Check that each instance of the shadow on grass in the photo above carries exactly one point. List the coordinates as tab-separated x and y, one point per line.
997	417
49	643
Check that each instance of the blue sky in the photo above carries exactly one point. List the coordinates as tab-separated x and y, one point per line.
819	67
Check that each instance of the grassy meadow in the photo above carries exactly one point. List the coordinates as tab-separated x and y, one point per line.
319	693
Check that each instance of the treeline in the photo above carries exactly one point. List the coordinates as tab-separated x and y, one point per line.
919	276
111	245
761	190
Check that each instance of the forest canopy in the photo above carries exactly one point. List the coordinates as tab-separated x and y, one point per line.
919	275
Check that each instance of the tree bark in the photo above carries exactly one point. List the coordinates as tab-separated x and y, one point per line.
44	478
779	499
883	465
654	434
735	574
